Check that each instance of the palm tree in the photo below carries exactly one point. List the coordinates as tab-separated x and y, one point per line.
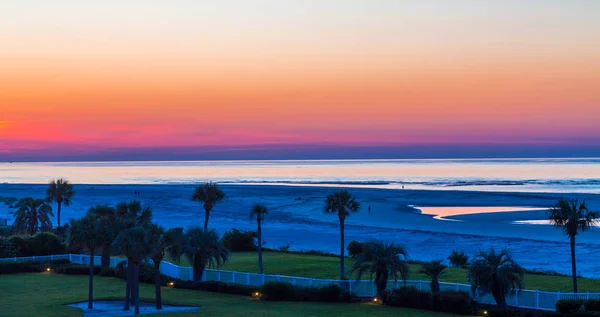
109	226
60	191
163	242
496	273
385	260
209	194
134	214
259	212
84	233
435	270
572	217
204	248
135	244
32	214
341	203
458	259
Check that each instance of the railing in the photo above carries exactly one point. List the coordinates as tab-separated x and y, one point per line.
525	298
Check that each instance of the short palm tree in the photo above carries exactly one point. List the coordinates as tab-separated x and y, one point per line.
341	203
163	243
458	259
385	260
204	248
134	214
60	191
496	273
32	214
572	217
135	244
84	233
434	270
259	212
209	194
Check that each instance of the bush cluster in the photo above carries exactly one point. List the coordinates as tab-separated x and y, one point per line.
217	287
447	301
77	269
236	240
577	305
30	266
280	291
43	243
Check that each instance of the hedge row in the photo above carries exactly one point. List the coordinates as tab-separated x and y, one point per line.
576	305
447	301
280	291
30	266
43	243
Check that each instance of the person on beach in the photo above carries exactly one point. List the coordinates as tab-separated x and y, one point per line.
369	209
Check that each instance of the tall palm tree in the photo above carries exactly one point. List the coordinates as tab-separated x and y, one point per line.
496	273
134	214
163	242
60	191
341	203
109	225
209	194
434	270
204	248
32	214
84	233
572	217
135	244
259	212
385	260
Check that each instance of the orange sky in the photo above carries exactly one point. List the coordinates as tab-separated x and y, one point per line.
183	73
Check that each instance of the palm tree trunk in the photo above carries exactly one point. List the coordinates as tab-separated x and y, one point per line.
260	262
136	288
157	285
128	285
341	249
91	281
105	261
58	214
206	215
573	264
199	265
498	293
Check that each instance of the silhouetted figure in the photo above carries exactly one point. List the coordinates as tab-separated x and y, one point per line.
369	209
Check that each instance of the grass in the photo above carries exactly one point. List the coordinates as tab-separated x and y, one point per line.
327	267
43	294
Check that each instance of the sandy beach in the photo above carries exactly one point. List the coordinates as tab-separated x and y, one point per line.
296	219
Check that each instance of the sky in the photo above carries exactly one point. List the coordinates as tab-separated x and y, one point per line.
379	78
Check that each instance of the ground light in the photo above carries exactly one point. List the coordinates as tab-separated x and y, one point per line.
256	295
48	269
485	313
171	284
376	300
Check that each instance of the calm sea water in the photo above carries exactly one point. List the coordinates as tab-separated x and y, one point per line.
527	175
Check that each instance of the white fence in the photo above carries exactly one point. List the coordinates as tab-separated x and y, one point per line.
524	299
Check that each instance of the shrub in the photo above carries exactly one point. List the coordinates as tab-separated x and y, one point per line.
330	293
410	297
30	266
569	306
279	291
108	272
354	248
236	240
7	249
20	244
459	303
458	259
502	312
592	305
45	243
235	289
77	269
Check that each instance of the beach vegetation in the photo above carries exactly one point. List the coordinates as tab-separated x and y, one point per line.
382	260
259	212
354	248
209	194
458	259
496	273
60	191
572	217
239	241
343	205
203	248
434	270
32	215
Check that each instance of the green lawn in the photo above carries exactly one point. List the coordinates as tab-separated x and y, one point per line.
328	267
43	294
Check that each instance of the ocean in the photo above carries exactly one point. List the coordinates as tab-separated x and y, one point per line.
573	175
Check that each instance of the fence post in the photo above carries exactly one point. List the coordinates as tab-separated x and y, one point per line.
558	296
52	257
457	287
33	257
247	278
349	285
537	299
397	284
310	280
15	258
373	288
219	275
293	280
70	257
204	276
517	299
420	286
81	259
278	277
191	273
233	277
262	277
587	296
